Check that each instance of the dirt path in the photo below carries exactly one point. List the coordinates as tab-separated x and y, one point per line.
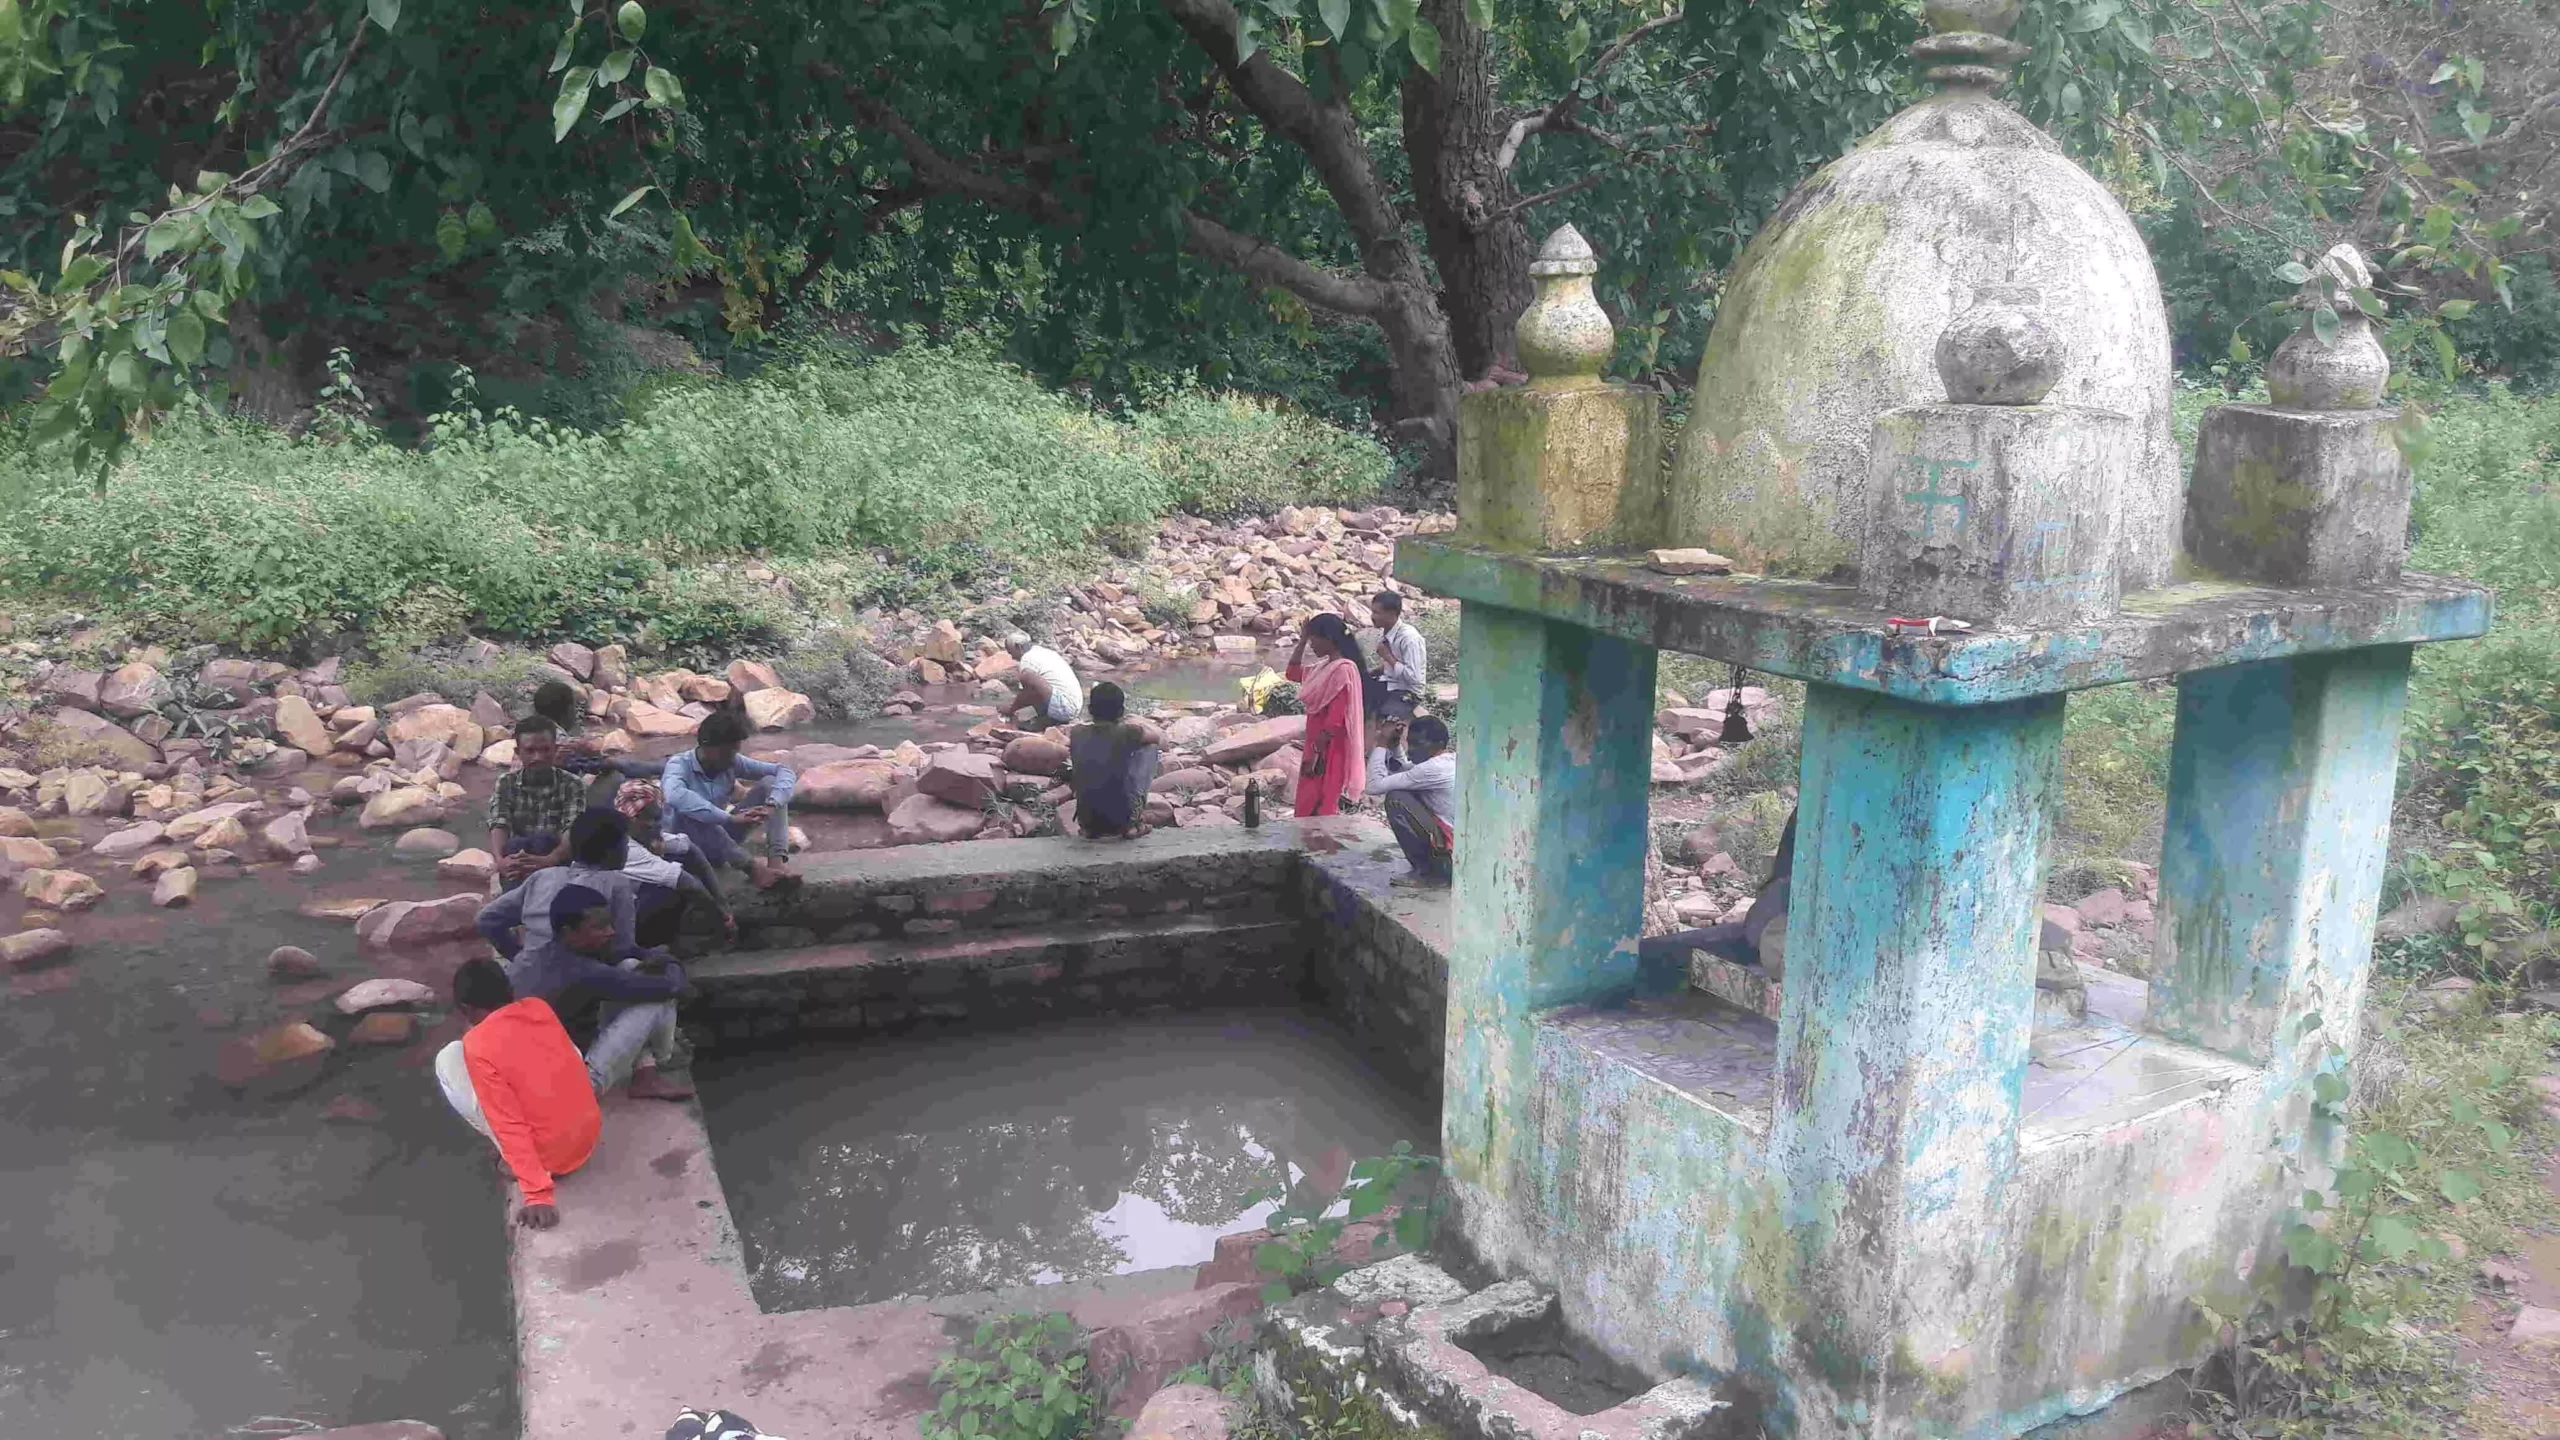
2519	1394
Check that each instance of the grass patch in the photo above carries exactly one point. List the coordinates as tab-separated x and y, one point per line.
949	470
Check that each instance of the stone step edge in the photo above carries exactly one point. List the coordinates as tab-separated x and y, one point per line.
968	949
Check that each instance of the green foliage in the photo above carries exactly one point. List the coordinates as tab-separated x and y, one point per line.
509	677
2434	1158
960	470
1439	625
1305	1226
1020	1377
1228	455
840	673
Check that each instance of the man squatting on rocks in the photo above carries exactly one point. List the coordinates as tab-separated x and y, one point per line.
1044	684
1420	791
1113	761
703	805
518	1076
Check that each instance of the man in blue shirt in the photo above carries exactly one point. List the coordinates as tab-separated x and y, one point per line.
703	804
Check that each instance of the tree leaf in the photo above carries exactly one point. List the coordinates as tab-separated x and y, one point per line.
567	105
385	13
1480	14
125	374
2239	348
627	201
259	207
2393	1236
2324	324
2458	1186
2454	309
663	87
374	171
1336	15
618	108
631	20
2293	272
615	69
568	47
186	346
1424	40
451	238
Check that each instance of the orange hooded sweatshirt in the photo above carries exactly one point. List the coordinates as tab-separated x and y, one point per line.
534	1092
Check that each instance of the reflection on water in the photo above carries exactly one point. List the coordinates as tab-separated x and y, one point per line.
935	1165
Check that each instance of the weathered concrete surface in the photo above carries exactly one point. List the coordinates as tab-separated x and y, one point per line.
1553	751
1828	633
1833	315
2299	498
637	1306
2004	515
2279	821
1559	470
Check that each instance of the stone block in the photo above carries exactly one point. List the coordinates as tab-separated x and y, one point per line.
1544	471
1182	1412
1132	1359
2303	499
2003	515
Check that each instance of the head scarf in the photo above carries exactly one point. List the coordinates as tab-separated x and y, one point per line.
635	797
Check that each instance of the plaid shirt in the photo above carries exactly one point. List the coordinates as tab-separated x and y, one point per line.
530	802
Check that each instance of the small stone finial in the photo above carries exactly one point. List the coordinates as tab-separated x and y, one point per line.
1564	337
2000	352
2348	371
1968	45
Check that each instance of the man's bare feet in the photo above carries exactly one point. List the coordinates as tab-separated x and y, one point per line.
650	1083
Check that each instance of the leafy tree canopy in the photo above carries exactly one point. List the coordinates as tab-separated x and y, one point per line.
192	184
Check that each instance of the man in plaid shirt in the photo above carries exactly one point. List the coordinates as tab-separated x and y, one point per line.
531	810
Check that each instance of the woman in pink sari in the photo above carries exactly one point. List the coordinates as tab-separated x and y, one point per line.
1335	766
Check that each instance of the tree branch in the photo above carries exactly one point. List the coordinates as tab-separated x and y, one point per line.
1260	260
942	175
1559	116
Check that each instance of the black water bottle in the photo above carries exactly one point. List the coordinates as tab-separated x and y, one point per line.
1253	804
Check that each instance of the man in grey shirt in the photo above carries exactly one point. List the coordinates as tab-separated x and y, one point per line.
1401	662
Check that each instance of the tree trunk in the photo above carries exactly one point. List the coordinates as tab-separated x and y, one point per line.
1452	128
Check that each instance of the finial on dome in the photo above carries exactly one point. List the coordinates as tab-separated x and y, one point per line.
2000	352
1564	337
1967	47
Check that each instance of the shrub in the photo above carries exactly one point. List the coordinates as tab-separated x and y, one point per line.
1225	455
962	470
840	674
1020	1377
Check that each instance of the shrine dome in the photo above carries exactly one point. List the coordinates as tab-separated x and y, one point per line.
1832	316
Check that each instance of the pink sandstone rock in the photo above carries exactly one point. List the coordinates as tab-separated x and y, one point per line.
449	723
924	820
774	708
2107	907
1182	1412
850	785
1252	742
962	779
59	889
1131	1360
575	658
301	727
403	923
2064	916
29	947
749	676
130	691
1035	755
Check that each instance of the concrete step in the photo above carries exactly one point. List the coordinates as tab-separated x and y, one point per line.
998	976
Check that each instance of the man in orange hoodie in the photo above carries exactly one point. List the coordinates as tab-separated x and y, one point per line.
517	1078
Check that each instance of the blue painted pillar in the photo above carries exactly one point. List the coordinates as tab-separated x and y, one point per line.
2280	783
1902	1042
1555	754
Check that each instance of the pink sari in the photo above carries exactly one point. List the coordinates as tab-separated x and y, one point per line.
1335	766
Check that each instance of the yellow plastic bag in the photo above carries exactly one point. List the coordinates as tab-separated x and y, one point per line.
1257	688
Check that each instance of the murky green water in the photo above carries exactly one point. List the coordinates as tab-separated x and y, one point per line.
938	1165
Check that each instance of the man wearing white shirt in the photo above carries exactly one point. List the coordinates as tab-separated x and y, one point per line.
1044	684
1420	792
1401	660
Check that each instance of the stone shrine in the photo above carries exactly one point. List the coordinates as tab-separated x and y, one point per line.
1902	1202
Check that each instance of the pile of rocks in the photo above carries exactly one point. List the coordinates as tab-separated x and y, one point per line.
1201	587
1002	782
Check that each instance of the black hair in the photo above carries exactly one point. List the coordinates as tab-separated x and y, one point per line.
1428	731
554	699
482	985
572	904
599	836
722	727
1336	630
537	724
1105	703
1389	601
